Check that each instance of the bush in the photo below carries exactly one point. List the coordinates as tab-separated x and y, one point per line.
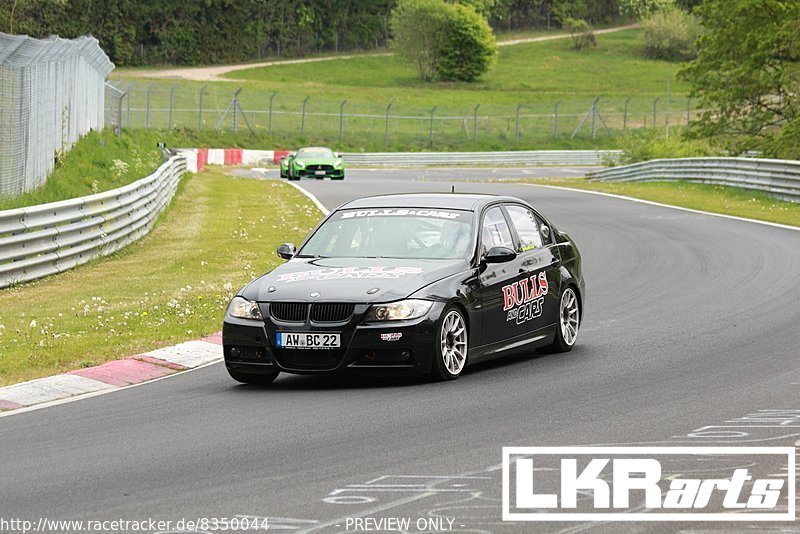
444	41
468	48
582	35
670	34
647	144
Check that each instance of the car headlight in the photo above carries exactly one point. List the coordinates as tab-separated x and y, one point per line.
399	311
300	164
244	309
338	164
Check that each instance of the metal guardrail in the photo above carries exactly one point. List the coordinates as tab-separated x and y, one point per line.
779	178
38	241
514	157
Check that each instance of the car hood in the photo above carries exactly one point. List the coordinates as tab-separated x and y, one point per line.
362	280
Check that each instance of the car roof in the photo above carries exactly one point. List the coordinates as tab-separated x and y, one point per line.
313	148
456	201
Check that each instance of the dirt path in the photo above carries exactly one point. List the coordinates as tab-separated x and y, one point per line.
217	73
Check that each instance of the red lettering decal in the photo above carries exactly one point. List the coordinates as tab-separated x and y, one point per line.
530	290
543	284
508	298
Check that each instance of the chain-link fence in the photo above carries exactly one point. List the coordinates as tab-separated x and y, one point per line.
379	125
51	93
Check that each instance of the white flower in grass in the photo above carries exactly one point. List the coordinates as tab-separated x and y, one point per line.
33	324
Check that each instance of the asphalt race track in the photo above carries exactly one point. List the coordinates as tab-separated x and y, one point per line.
692	321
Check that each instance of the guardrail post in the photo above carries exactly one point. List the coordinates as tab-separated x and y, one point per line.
475	122
430	130
341	118
303	118
171	100
655	111
271	98
625	115
555	118
516	129
200	109
386	133
149	90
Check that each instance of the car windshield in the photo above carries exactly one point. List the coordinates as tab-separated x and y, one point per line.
393	233
315	153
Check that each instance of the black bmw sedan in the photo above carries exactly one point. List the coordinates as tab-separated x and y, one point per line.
414	283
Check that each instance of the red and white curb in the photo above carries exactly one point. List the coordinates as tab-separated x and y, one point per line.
198	158
113	375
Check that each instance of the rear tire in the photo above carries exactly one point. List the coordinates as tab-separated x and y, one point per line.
450	352
258	380
569	320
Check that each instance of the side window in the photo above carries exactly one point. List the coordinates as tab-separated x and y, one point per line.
495	232
527	227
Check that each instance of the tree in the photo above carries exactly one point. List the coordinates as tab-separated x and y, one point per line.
469	48
670	34
582	35
418	27
746	75
444	41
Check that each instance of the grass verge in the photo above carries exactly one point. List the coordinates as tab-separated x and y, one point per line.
712	198
171	286
97	162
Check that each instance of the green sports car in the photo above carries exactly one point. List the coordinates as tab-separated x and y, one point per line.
313	162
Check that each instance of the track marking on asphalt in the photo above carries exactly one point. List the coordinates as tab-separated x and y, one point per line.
660	205
325	211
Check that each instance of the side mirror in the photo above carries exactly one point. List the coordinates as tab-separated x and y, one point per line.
337	155
546	232
499	255
287	251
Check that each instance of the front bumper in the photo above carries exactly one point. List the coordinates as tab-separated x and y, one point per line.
321	173
399	347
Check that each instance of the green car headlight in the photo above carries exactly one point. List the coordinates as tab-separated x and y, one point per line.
338	164
300	164
399	311
244	309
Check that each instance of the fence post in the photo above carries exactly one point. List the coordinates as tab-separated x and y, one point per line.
475	122
119	113
655	110
200	111
516	131
594	116
171	98
625	115
668	103
386	133
130	91
555	119
271	98
235	105
430	130
688	110
303	118
341	118
149	90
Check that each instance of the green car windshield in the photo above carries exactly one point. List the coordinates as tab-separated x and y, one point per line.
410	233
315	153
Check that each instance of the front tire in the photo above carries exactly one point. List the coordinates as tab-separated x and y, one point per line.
569	320
291	174
451	345
258	380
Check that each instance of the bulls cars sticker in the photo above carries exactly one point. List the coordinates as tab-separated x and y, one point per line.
523	300
342	273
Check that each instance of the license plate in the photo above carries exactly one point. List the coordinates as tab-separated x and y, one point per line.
319	173
303	340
